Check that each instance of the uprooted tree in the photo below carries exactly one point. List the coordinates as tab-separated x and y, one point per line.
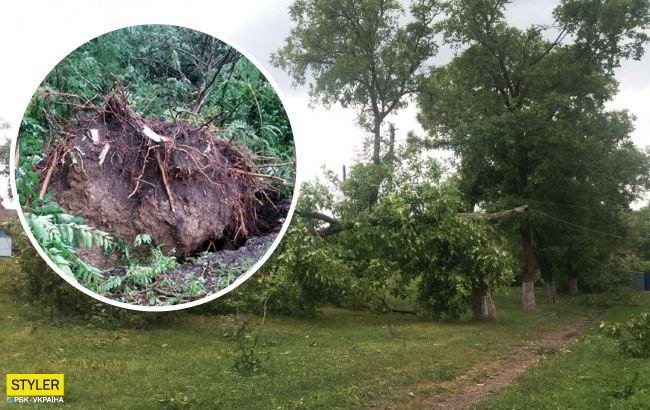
149	146
187	189
178	183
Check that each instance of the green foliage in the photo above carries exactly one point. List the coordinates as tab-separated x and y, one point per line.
525	112
356	48
35	282
416	234
249	359
366	54
196	287
169	72
59	234
228	274
638	227
621	28
633	335
413	235
139	273
612	296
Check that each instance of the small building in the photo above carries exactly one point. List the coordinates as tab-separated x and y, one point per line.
640	281
5	244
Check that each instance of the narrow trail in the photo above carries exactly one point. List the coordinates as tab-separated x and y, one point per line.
490	376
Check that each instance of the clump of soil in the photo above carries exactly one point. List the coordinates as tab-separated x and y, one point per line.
183	185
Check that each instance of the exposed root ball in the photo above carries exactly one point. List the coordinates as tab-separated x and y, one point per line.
182	185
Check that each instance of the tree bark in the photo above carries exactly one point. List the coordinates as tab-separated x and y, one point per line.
376	161
573	279
390	157
483	305
495	217
545	268
530	272
376	141
551	291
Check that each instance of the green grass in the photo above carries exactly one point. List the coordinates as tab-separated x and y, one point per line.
343	359
587	374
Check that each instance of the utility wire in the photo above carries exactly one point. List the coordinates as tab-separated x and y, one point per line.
565	221
586	228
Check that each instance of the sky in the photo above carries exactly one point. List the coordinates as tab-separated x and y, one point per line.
36	35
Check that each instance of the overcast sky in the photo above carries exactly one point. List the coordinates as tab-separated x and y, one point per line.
36	35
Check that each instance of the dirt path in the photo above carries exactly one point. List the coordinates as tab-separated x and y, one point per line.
488	377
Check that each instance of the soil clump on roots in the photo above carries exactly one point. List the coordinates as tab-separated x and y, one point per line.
182	185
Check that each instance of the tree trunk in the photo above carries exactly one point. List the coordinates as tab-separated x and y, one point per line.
376	161
376	142
483	305
545	268
551	291
530	272
573	286
390	157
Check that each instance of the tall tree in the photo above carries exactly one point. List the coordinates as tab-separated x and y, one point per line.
524	109
359	53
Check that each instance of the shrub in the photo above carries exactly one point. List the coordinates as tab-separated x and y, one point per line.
633	335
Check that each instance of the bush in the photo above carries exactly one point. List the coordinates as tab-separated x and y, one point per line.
614	296
633	335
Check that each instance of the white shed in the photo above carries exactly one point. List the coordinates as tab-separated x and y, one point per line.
5	244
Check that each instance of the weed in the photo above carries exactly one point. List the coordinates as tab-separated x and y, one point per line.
196	287
138	274
249	360
627	389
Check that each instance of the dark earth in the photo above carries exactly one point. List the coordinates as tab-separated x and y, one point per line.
214	270
184	186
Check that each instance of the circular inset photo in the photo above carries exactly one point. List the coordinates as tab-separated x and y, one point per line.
155	167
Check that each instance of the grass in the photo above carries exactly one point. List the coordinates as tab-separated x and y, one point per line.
342	359
588	374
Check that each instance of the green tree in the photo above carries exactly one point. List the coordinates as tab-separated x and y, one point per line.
526	115
416	236
638	225
359	53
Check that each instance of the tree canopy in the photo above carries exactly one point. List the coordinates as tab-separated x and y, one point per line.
360	54
525	112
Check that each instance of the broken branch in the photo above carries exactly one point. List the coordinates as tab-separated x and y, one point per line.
48	175
336	226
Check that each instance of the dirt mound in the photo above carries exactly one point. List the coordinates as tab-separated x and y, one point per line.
183	185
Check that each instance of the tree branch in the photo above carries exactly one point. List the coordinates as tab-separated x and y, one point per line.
495	217
336	226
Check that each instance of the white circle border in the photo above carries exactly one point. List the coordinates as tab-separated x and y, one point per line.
242	278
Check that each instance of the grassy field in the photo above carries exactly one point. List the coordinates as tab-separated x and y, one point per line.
587	374
343	359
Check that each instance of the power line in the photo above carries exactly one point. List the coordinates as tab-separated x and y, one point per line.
586	228
565	221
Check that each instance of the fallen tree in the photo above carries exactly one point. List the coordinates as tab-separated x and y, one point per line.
335	226
182	185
